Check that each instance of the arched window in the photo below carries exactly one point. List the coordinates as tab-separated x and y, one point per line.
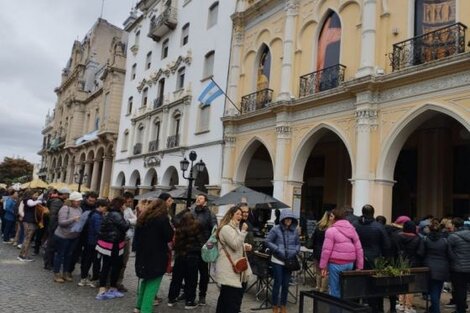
140	133
180	79
145	96
209	64
264	69
329	42
129	105
212	16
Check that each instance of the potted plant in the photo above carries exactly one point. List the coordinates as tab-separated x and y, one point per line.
392	273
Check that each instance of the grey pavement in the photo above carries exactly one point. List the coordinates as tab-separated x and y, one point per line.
27	287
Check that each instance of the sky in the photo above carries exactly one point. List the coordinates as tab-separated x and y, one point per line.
36	38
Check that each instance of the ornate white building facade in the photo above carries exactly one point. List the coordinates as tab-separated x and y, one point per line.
174	49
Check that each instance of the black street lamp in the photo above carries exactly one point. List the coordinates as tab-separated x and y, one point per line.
80	178
184	165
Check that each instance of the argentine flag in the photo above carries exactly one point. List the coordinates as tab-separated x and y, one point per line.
210	93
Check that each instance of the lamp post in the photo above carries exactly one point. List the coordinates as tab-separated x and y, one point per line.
80	178
184	164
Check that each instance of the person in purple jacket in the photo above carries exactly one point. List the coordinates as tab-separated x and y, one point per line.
341	250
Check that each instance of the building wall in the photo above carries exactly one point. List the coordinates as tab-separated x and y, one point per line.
84	125
372	112
206	143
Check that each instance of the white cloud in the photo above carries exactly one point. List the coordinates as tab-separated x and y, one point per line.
37	38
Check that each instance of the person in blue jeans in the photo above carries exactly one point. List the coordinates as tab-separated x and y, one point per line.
341	250
284	243
9	218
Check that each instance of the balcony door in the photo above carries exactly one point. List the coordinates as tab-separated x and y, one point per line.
328	53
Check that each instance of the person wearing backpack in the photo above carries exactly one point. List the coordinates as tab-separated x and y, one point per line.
65	239
89	255
9	216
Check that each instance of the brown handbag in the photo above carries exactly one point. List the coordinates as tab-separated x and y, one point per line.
240	265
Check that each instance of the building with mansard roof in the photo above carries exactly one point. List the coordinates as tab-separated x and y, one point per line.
80	135
175	48
348	102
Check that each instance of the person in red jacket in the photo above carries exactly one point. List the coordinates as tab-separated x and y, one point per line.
341	250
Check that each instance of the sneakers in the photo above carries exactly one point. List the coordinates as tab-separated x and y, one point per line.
181	297
400	307
84	282
68	277
410	310
94	283
102	296
172	302
113	293
24	259
190	305
58	278
157	301
202	301
19	246
451	304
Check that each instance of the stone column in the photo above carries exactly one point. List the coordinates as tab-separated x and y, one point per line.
288	53
283	140
88	172
234	73
70	172
106	175
95	175
366	125
369	25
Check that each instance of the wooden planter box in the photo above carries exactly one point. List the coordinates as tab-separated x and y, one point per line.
381	281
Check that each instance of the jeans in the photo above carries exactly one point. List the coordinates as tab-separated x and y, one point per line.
281	284
333	277
230	299
63	254
8	230
185	268
435	289
203	277
88	259
459	283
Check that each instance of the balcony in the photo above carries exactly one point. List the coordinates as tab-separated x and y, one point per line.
256	100
324	79
163	24
137	148
153	145
435	45
173	141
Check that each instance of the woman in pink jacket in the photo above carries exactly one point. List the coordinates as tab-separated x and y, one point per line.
341	249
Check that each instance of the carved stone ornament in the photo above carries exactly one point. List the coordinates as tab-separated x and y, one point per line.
152	161
230	139
282	130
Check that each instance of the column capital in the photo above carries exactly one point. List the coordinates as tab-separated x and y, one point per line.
283	131
292	7
230	139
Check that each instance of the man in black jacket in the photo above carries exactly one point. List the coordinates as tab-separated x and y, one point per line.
375	243
208	220
459	252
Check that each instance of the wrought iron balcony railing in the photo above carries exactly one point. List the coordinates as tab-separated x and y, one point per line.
435	45
164	23
153	145
256	100
324	79
137	148
173	141
157	102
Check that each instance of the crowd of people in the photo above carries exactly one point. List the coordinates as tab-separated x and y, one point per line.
100	235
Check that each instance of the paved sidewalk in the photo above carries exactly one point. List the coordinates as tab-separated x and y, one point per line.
27	287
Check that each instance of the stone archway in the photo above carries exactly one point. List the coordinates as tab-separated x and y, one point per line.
425	157
323	163
151	178
170	177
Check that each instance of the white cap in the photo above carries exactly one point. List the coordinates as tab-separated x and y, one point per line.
76	196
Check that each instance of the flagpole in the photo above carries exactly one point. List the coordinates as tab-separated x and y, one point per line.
230	100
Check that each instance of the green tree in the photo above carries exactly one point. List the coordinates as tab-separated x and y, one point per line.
15	171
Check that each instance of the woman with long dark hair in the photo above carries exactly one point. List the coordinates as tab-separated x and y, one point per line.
188	243
231	238
110	246
152	234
